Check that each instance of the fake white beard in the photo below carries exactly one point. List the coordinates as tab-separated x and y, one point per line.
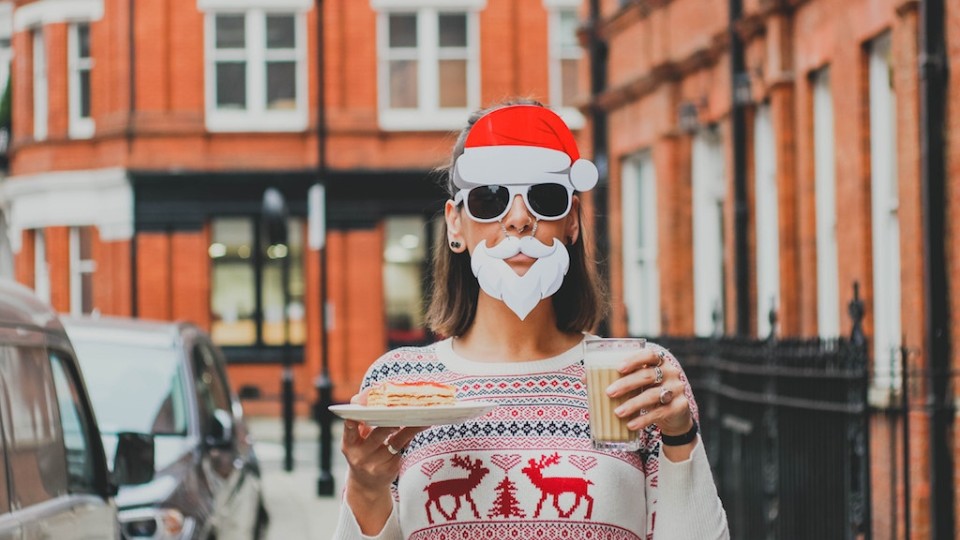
520	293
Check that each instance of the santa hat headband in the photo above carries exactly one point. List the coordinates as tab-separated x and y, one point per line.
522	144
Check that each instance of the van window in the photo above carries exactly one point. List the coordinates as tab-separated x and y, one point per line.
76	429
36	452
149	382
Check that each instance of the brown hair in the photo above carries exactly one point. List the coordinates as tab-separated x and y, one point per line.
578	304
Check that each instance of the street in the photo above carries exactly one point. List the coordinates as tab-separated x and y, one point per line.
296	512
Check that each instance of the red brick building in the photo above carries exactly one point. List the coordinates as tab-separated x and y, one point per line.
145	135
832	143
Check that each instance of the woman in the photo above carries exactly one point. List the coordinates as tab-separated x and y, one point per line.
515	289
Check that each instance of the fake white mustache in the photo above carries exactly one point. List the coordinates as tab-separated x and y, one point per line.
527	245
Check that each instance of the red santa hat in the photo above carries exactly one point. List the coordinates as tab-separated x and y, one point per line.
522	144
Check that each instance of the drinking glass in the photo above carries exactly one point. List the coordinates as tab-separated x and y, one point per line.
601	358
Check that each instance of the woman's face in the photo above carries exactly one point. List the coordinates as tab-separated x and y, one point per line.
518	222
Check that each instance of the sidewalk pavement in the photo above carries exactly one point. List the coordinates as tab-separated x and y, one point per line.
296	512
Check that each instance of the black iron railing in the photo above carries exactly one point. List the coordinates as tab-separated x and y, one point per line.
786	429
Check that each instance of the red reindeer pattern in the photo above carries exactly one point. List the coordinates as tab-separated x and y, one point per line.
557	486
456	488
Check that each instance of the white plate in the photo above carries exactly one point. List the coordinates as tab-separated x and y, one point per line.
414	416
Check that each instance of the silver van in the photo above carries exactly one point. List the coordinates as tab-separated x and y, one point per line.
54	480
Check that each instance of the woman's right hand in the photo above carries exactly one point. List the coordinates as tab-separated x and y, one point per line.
373	467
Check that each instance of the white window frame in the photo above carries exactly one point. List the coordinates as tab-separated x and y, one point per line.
709	195
41	268
571	115
78	267
256	117
767	225
885	222
825	185
641	274
427	115
43	12
80	127
40	86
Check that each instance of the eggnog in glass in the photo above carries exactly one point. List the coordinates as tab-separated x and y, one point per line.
602	358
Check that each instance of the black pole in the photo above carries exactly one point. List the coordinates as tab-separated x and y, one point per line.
933	96
905	391
287	370
738	134
274	225
858	454
323	383
598	84
131	112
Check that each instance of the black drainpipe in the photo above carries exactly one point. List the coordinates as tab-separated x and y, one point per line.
933	96
598	84
738	133
132	82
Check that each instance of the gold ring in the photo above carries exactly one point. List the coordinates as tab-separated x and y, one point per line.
393	450
658	375
660	356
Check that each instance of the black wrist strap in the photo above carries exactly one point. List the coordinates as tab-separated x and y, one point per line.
680	440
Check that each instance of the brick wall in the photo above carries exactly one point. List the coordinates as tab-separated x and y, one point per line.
24	260
57	240
112	276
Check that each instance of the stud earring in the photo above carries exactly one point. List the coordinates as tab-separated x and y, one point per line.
455	244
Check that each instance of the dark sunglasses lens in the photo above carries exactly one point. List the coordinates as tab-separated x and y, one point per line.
488	202
548	200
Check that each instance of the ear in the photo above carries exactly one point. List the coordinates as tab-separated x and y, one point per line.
454	218
573	222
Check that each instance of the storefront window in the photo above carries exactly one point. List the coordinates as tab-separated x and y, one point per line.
404	261
272	297
247	298
233	282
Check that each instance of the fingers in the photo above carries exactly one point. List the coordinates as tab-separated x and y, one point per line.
643	358
643	377
376	437
402	437
656	387
645	409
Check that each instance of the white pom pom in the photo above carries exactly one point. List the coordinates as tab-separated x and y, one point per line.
583	175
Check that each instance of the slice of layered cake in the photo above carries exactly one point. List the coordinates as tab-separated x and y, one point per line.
411	394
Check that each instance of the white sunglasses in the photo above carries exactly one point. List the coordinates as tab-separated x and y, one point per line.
486	204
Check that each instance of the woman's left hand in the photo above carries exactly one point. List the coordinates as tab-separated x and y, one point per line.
660	387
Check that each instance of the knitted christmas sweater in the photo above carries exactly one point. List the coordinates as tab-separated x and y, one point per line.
527	469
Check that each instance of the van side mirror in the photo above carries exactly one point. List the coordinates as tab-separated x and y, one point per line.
221	430
134	461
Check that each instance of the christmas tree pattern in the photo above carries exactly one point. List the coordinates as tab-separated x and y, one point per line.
506	505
